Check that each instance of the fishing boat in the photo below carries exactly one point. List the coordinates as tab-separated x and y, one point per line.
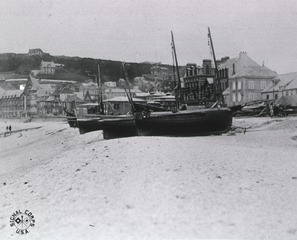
184	123
89	124
90	113
124	125
206	121
119	127
71	119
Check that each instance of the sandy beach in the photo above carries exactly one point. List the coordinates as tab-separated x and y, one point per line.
234	186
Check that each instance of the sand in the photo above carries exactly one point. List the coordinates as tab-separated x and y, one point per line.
233	186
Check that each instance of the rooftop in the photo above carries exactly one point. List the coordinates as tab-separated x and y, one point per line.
283	81
244	66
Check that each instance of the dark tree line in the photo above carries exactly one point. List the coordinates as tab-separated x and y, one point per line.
74	67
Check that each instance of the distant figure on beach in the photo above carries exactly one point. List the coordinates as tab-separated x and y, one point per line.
9	128
6	128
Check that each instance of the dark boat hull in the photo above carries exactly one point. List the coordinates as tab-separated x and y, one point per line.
86	125
72	121
90	124
184	123
119	128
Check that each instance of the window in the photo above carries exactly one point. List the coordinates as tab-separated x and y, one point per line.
116	106
234	97
263	84
275	96
251	85
251	96
239	85
267	97
239	97
207	69
233	85
233	68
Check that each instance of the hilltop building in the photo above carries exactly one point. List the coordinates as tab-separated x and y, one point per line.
35	52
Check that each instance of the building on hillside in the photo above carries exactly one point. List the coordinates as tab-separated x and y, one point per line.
160	77
282	85
246	79
36	51
47	68
197	87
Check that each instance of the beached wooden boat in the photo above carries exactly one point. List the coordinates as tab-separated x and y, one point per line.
72	121
89	124
184	123
206	121
123	126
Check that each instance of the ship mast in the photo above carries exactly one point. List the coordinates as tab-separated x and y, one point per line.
178	86
100	99
218	89
128	93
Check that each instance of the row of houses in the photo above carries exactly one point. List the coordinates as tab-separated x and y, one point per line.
240	80
44	97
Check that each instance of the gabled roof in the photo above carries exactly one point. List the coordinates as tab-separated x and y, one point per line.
244	66
72	98
7	86
11	93
255	72
51	98
66	90
283	81
47	64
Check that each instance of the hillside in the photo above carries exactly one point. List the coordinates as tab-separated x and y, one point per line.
75	67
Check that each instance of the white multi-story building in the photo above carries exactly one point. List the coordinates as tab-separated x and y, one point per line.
246	79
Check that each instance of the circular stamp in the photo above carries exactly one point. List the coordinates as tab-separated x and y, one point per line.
22	221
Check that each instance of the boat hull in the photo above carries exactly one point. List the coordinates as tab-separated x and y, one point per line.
72	121
184	123
119	128
86	125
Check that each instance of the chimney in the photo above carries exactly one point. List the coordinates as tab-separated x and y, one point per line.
242	54
206	65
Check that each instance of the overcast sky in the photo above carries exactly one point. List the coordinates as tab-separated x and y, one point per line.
139	30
